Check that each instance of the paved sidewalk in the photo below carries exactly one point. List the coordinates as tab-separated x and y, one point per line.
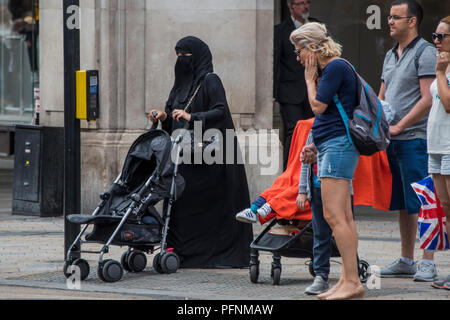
31	262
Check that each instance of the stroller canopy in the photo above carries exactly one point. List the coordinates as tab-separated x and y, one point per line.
150	154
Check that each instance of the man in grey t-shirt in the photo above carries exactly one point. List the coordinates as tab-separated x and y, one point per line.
408	71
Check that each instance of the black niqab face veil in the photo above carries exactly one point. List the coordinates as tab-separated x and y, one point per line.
189	70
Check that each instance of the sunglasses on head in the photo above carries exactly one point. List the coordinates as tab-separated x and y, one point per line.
439	36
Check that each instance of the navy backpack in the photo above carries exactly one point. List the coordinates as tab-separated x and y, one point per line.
368	129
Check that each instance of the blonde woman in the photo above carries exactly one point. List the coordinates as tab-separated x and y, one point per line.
337	157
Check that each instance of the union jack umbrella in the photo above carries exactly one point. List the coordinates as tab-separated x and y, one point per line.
432	220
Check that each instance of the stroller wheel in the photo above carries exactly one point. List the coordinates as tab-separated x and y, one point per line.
67	264
254	273
363	271
137	261
157	263
170	262
100	269
311	268
276	276
112	271
124	261
83	266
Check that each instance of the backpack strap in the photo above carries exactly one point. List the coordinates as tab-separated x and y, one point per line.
341	108
343	116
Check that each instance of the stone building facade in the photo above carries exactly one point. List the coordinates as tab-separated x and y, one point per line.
131	43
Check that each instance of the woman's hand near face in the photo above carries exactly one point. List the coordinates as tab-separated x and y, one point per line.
178	114
442	61
311	68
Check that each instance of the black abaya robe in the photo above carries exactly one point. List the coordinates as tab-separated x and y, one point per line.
203	230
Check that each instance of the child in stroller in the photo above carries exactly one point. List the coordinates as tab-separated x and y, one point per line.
126	215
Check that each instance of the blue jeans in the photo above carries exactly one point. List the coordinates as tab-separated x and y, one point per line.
322	236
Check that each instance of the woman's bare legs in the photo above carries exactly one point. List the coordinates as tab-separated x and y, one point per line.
337	212
333	289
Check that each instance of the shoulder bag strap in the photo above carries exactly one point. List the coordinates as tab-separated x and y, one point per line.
195	93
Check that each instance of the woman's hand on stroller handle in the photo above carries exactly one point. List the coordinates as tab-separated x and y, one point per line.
155	115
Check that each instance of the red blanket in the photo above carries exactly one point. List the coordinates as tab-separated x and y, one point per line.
371	184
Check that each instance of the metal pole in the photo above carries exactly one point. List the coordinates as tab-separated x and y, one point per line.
72	183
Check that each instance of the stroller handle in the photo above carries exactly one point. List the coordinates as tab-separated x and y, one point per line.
155	124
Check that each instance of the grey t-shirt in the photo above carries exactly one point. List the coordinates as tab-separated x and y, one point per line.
401	78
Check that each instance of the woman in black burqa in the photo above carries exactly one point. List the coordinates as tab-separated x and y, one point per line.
203	230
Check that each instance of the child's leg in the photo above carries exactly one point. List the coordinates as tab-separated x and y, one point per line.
322	236
258	203
249	215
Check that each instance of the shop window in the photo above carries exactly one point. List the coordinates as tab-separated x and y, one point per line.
19	60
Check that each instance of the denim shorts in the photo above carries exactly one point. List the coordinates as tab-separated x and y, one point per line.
439	163
408	161
337	158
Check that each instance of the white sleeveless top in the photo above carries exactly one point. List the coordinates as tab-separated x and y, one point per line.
438	129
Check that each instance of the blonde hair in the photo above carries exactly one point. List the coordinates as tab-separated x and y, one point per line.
447	21
314	32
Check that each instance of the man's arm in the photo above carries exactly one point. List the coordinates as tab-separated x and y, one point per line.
421	108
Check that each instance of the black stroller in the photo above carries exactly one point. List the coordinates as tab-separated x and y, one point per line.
126	215
298	244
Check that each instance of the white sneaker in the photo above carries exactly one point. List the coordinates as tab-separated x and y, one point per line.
426	272
246	216
264	210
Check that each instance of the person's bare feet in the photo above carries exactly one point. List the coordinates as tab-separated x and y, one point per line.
331	291
347	290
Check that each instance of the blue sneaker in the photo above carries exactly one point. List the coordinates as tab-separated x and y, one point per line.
246	216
